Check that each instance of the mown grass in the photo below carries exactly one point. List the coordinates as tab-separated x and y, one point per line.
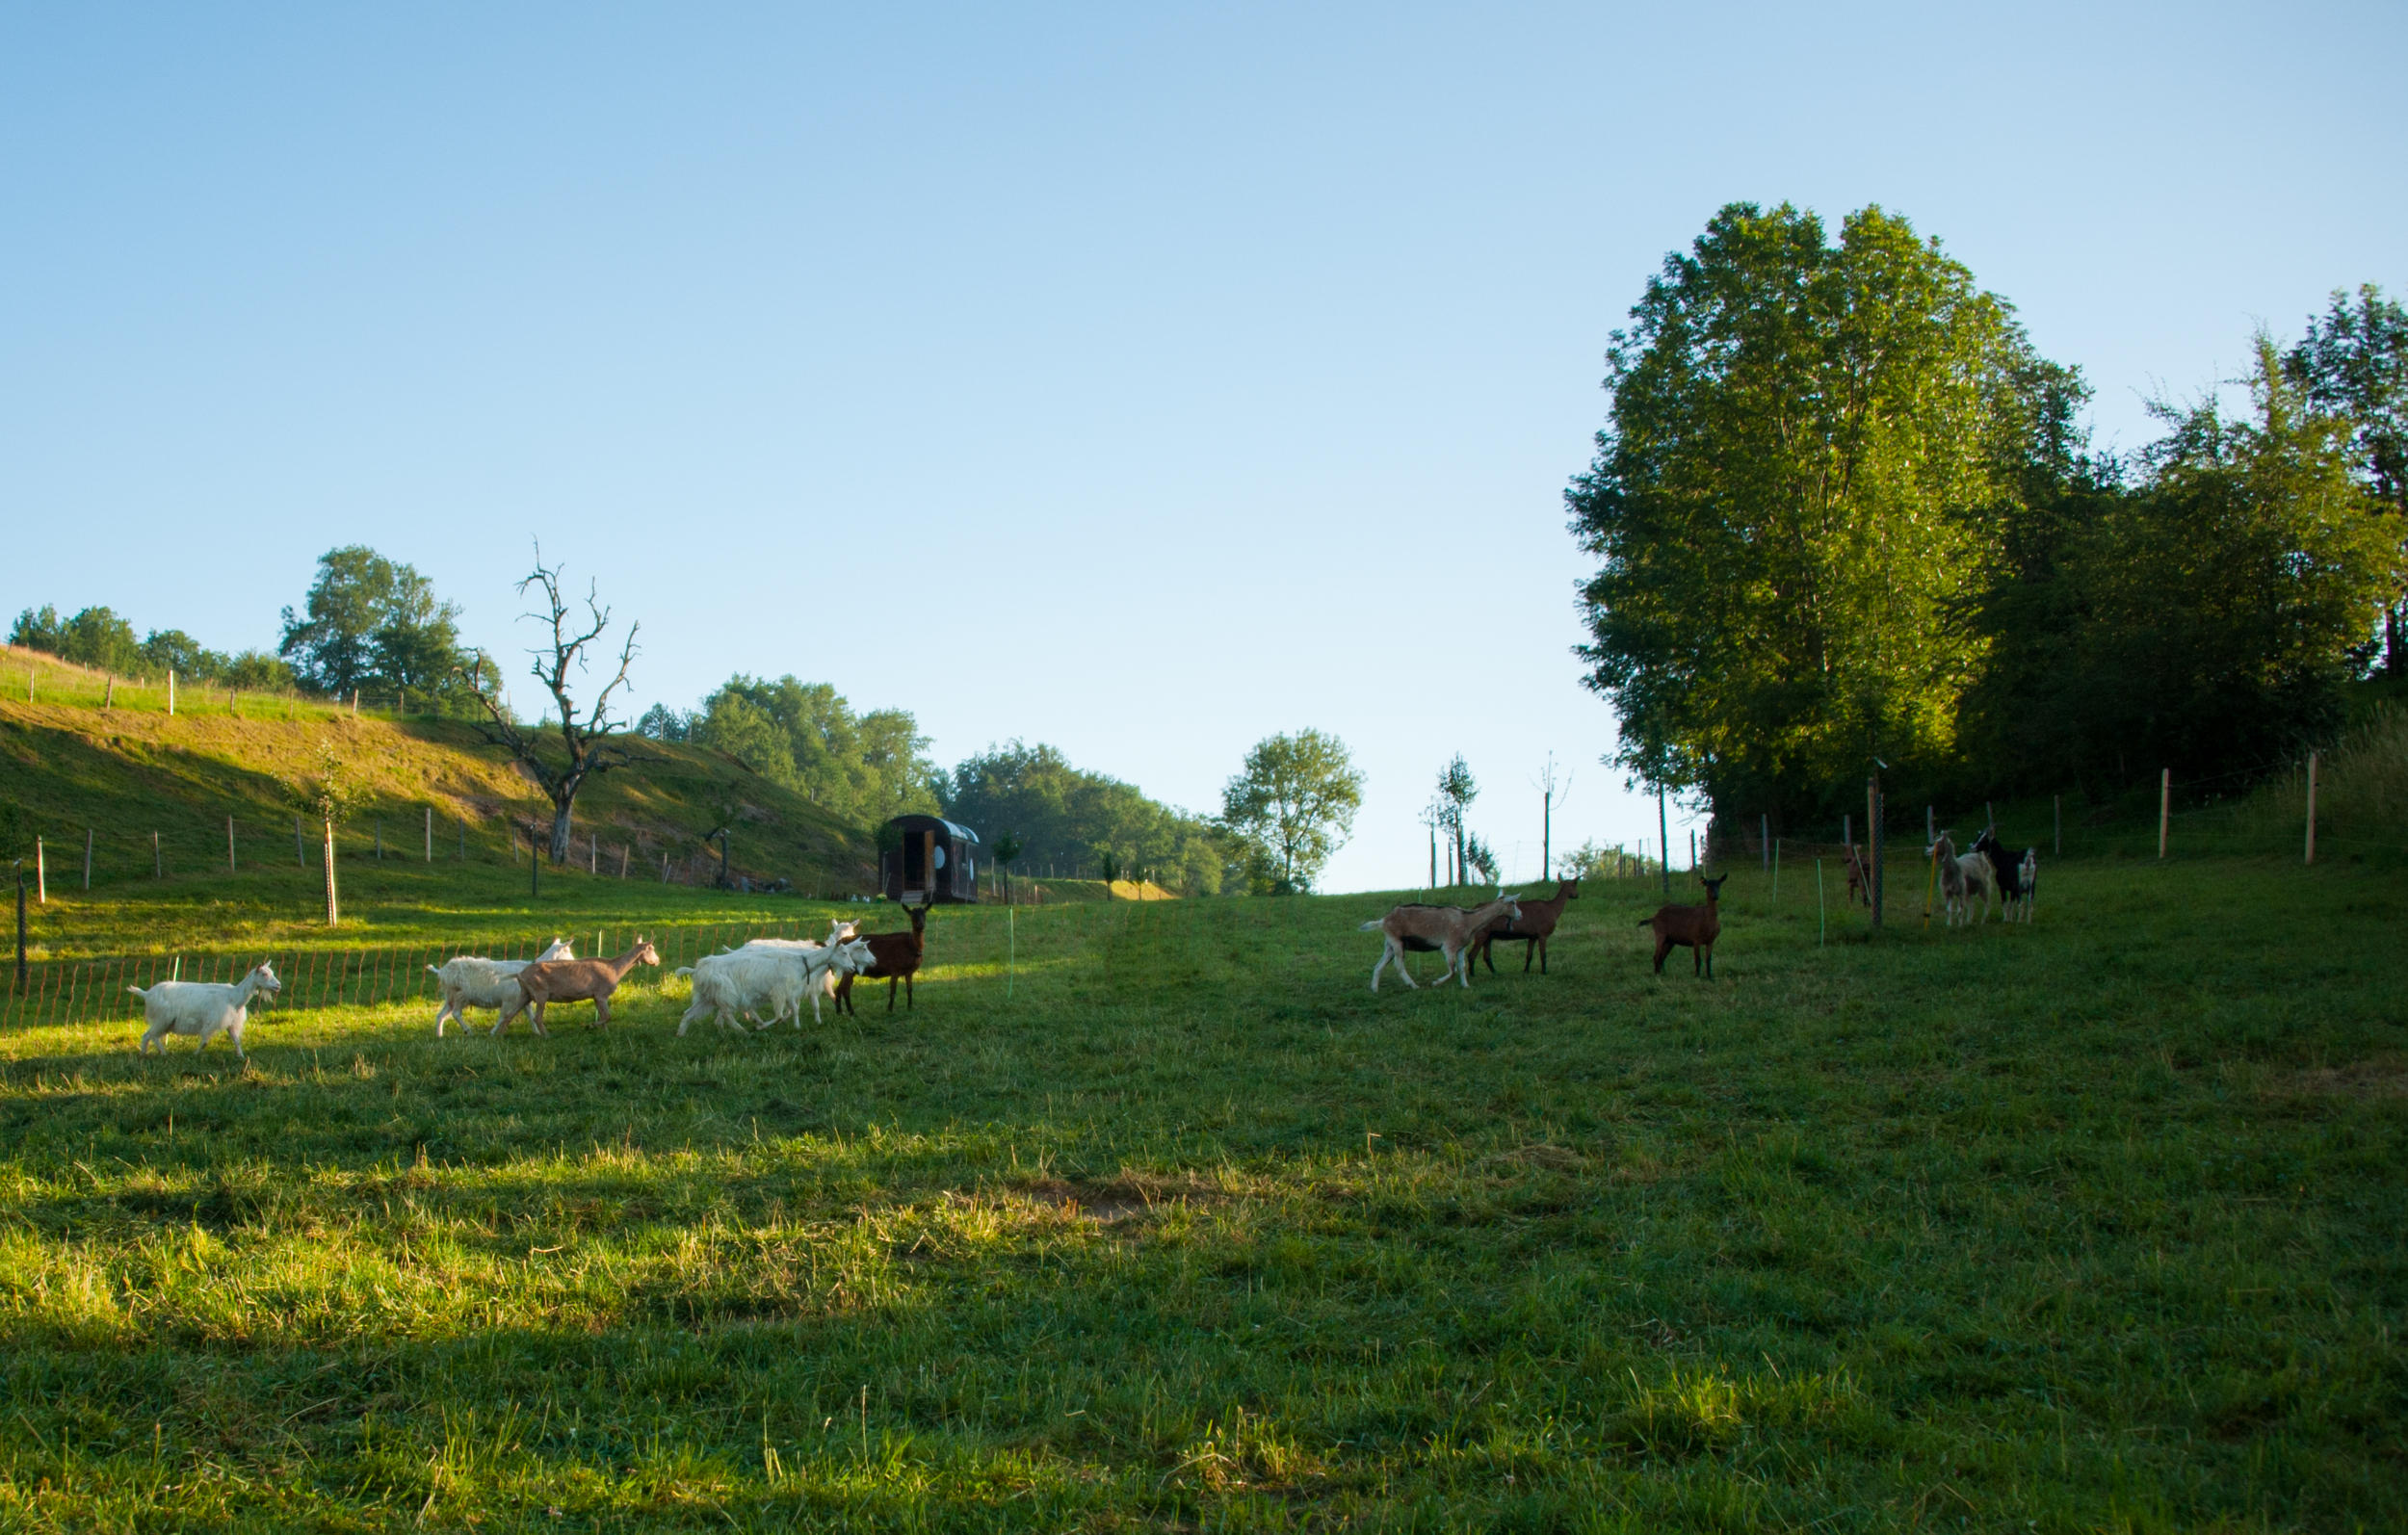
2094	1225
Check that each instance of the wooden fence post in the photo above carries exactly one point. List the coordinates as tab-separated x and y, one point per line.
301	855
109	700
2057	811
229	845
158	864
41	875
623	860
2312	808
88	837
1765	841
2165	806
431	834
379	838
171	691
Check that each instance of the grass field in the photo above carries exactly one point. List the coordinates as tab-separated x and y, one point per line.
2098	1225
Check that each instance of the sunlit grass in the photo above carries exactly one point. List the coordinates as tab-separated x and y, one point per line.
2096	1224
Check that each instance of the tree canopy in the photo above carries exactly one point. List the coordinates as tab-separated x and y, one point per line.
1844	511
1292	806
2200	611
1795	491
373	624
2352	364
805	736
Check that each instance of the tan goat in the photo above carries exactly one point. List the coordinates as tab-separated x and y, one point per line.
575	980
1449	929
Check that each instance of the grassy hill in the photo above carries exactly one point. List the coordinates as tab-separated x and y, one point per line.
1151	1215
127	772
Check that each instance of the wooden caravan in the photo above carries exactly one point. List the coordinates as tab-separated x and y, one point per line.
928	861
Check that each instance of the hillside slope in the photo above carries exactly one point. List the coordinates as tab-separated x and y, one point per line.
127	772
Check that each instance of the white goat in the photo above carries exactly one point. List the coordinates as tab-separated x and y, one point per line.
469	981
1964	879
768	981
2030	881
202	1007
1449	930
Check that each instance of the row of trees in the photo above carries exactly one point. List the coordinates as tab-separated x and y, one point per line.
1282	816
1845	511
1075	820
98	637
367	624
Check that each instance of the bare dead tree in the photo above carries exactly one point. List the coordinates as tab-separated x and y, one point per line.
586	743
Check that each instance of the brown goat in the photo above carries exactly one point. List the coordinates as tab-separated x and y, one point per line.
1691	927
1534	926
575	980
892	957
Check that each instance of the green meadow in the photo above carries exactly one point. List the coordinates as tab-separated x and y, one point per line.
1151	1217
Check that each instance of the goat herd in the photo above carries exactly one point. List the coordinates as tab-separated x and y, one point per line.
1984	874
768	978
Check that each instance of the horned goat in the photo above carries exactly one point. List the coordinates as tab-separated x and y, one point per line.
202	1007
470	981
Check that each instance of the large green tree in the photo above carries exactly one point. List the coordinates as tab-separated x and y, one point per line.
1293	806
1797	488
806	737
374	624
2353	364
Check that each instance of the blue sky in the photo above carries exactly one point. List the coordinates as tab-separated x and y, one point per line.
1142	379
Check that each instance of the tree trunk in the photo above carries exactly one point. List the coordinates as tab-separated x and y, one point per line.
333	911
560	828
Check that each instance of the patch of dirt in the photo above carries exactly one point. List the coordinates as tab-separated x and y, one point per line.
1543	1153
1105	1204
2384	1078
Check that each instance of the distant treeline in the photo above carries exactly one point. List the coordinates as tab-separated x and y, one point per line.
1844	511
367	624
870	767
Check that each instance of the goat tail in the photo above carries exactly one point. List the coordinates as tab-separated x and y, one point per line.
431	971
683	970
1646	922
139	992
1373	925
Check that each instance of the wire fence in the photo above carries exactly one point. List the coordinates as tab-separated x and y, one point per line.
98	856
58	992
29	677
